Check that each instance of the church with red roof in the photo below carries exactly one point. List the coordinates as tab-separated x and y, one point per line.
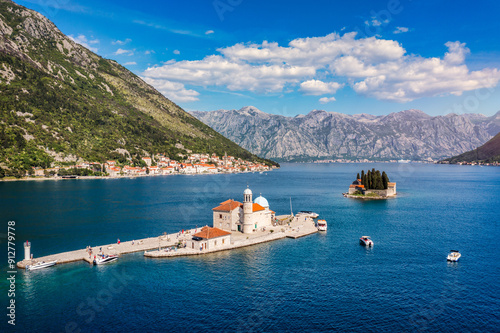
245	217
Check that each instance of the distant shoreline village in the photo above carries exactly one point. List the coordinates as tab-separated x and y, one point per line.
235	225
429	161
158	165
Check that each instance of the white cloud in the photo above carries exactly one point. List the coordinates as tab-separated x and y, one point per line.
375	22
149	52
174	90
325	100
414	77
456	53
83	41
129	63
316	87
218	71
121	42
121	51
176	52
174	31
371	66
209	32
400	30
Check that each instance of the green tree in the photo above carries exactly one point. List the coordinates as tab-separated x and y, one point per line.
376	178
385	180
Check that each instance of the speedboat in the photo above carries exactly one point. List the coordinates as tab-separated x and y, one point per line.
366	241
307	213
322	226
40	265
104	259
454	255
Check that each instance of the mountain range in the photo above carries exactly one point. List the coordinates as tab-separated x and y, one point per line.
319	135
60	102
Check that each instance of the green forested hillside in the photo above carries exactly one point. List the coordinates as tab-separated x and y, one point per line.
59	102
487	153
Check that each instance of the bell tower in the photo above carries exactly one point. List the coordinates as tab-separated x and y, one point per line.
247	211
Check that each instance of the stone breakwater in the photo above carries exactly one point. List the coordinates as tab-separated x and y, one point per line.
119	249
165	245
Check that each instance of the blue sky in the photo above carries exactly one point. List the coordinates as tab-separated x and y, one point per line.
290	57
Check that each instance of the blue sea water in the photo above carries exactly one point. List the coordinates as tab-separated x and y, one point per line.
319	283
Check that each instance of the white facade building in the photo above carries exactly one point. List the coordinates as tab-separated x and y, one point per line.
245	217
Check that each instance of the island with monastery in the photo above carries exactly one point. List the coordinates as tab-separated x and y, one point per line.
371	185
235	225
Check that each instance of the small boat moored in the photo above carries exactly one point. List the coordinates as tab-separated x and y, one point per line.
40	265
454	255
366	241
322	225
307	213
104	259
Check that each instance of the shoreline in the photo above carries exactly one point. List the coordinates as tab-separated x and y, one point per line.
42	178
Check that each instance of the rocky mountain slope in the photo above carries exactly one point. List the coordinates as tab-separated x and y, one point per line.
489	152
61	102
409	134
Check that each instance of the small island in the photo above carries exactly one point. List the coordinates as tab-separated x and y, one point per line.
371	185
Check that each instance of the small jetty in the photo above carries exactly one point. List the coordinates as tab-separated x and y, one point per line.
166	245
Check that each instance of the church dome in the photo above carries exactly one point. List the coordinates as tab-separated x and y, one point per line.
262	201
247	191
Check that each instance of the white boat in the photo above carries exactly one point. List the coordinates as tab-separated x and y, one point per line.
307	213
104	259
322	225
366	241
40	265
454	255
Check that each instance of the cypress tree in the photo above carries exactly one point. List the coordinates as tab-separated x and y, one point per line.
378	181
385	180
357	176
369	180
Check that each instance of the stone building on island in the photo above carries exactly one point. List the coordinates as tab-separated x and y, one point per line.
244	217
356	186
210	239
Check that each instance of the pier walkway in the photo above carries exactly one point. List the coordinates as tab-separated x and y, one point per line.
157	246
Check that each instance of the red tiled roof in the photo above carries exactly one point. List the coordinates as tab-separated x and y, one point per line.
209	233
228	205
257	207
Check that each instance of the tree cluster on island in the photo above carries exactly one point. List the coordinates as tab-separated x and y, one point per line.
374	180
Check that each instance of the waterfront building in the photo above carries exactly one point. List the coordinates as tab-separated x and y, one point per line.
244	217
210	238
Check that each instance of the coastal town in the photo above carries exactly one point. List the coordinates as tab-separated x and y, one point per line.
158	164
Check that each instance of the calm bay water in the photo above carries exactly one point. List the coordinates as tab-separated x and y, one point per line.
318	283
